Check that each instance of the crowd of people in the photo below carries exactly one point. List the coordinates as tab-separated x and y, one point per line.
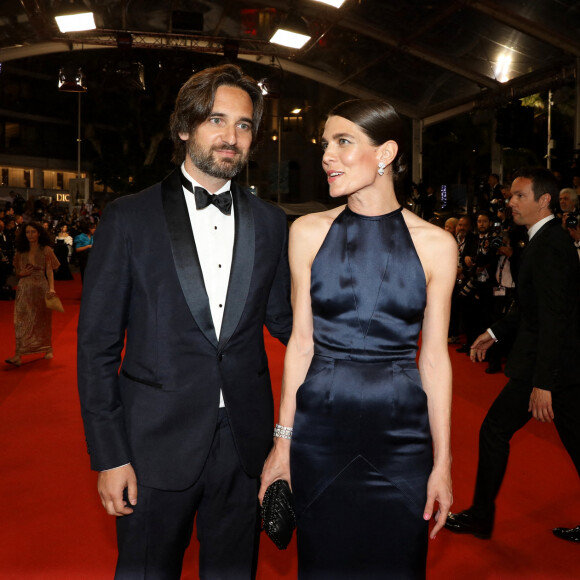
490	247
39	243
69	234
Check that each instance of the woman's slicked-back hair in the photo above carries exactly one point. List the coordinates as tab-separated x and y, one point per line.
196	97
380	123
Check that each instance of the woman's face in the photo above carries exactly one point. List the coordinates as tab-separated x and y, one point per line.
350	160
64	229
31	234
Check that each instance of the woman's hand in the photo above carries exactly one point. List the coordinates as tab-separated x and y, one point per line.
26	271
276	466
50	294
438	490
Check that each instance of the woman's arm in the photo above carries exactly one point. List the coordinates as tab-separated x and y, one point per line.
440	259
50	260
304	235
20	270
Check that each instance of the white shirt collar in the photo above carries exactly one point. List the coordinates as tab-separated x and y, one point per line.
534	229
225	187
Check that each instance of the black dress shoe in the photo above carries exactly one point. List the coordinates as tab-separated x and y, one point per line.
570	534
465	523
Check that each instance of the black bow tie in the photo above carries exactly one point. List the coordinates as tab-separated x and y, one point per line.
223	201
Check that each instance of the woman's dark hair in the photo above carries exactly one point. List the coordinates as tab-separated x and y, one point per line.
23	245
380	123
196	97
86	226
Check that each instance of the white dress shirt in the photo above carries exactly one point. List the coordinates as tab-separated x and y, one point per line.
533	230
214	239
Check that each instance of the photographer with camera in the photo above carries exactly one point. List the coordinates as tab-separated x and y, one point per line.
477	293
513	241
569	206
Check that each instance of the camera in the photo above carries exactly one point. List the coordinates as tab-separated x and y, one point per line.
495	237
572	221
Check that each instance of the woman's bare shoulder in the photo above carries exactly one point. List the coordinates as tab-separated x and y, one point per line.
315	224
426	233
437	249
308	232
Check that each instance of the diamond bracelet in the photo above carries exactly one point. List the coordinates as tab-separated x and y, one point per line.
283	432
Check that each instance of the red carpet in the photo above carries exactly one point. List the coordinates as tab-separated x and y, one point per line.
52	526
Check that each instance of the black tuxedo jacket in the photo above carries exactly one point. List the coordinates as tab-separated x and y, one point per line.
156	406
547	321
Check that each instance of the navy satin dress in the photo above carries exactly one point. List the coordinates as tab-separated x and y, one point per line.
361	450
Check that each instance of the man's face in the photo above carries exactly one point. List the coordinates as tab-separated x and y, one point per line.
491	180
483	224
566	203
526	210
462	226
220	145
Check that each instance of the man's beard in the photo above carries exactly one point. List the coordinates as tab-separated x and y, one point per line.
205	161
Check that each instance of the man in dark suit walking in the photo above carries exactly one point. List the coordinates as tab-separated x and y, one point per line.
180	425
542	369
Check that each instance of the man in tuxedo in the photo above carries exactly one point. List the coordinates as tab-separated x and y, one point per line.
543	374
180	425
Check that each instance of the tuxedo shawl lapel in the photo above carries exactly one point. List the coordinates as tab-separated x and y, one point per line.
529	249
242	263
185	255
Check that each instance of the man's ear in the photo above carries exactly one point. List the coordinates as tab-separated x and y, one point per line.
183	136
545	200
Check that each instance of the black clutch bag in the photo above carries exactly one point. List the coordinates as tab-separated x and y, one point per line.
278	518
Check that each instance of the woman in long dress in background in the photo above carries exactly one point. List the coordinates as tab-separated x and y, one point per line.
34	264
369	456
63	252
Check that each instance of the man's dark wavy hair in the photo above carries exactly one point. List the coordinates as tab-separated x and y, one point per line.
195	102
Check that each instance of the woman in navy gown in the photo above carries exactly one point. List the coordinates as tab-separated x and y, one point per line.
369	456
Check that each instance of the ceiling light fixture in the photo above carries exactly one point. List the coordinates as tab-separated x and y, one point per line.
75	17
292	33
335	3
503	67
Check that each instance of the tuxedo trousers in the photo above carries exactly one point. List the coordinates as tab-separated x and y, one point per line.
507	415
223	501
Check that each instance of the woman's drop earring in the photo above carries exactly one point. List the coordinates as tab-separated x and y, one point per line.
382	166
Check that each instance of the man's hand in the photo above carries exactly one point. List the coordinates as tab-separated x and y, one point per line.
541	405
111	485
480	346
575	233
